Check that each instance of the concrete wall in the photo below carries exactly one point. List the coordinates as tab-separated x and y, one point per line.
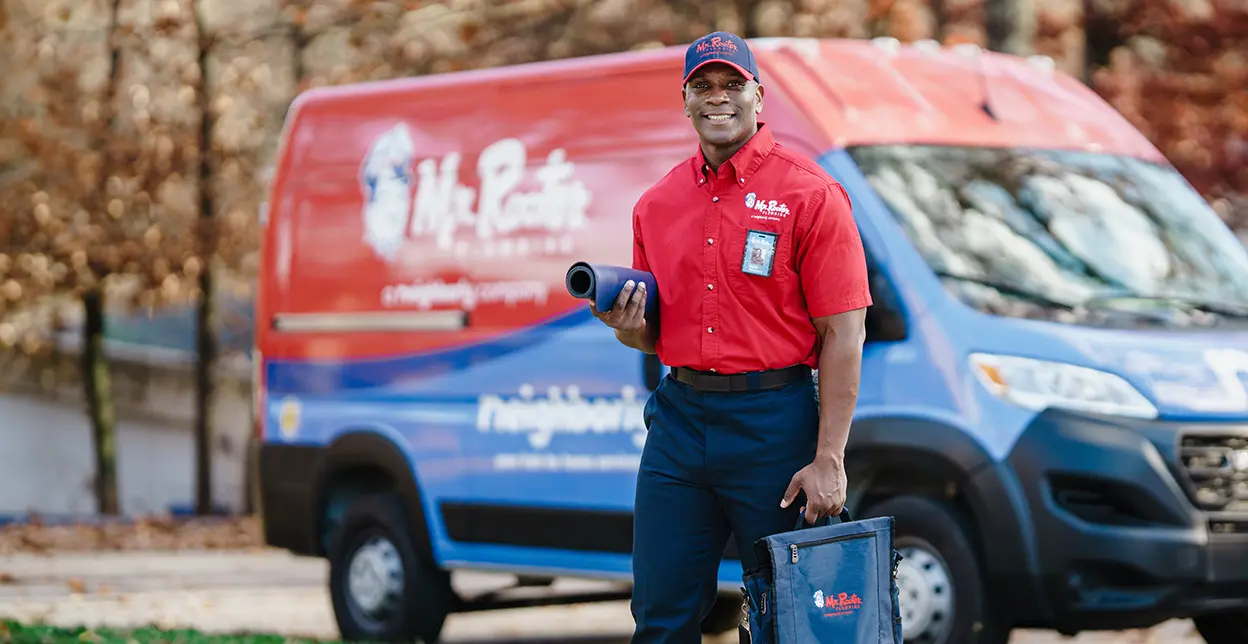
46	453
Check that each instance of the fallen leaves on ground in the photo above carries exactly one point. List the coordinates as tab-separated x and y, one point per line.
152	533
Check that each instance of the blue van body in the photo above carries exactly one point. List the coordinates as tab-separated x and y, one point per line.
1095	451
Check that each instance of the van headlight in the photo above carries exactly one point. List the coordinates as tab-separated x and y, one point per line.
1038	384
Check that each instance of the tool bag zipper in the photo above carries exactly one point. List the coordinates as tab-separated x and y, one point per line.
845	537
892	547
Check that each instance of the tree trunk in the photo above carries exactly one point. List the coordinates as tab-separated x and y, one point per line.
745	9
1100	37
1011	26
99	395
206	345
939	20
205	329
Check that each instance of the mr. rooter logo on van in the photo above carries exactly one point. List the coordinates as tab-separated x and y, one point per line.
463	220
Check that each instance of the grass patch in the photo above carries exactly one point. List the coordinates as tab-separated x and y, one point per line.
15	633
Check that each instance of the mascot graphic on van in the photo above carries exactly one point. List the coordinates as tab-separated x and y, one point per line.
386	181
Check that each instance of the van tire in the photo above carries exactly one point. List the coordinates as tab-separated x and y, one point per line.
400	595
1223	628
725	614
941	555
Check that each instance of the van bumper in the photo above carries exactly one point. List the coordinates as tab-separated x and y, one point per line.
1125	534
286	487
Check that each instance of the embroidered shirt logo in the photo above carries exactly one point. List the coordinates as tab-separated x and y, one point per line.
771	207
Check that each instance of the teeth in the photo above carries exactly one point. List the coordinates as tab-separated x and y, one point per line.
719	117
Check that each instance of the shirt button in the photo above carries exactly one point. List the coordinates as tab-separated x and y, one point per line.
710	241
710	287
742	179
714	198
710	329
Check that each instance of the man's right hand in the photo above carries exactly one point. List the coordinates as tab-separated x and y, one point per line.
628	314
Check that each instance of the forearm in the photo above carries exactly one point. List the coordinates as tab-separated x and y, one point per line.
840	363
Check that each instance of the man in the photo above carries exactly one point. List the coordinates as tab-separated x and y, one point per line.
761	278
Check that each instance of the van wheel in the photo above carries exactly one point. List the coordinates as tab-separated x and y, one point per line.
1223	628
381	590
941	588
726	613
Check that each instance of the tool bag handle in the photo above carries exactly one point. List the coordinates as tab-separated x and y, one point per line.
801	519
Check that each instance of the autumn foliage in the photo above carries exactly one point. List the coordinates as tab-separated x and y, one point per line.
1180	75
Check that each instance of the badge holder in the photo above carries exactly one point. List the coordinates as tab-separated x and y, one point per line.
759	255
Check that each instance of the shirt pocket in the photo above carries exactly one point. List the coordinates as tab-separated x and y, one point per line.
758	258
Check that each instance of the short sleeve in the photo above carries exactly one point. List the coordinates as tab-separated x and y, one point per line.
639	248
831	263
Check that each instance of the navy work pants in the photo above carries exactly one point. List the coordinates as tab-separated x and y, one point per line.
713	463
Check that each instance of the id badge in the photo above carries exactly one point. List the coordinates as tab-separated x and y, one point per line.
760	253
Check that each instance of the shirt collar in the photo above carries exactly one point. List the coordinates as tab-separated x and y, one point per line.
744	163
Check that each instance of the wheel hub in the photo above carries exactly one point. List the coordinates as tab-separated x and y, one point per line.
375	576
925	594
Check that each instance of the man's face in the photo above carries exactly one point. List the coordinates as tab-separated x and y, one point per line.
722	105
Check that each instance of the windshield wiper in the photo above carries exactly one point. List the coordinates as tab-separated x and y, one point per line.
1217	308
1004	287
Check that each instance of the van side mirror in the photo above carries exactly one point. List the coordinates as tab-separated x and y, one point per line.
885	322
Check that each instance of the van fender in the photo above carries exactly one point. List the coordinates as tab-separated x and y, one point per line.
361	461
895	454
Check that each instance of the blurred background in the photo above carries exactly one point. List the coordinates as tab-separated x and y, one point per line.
136	141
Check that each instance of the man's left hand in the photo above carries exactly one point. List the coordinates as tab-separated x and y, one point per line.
824	483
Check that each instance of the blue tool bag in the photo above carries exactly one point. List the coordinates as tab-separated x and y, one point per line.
825	584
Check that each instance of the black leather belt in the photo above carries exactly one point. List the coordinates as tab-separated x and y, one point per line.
749	381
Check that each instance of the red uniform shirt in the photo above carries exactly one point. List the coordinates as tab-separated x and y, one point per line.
744	258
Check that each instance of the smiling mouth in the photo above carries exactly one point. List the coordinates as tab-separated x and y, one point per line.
718	118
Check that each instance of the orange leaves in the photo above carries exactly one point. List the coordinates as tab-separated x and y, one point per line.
108	147
1178	74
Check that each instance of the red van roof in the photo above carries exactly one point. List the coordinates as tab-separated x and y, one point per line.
865	92
862	92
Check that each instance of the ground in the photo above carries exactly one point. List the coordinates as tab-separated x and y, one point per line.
262	590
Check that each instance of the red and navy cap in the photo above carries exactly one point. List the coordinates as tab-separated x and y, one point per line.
720	47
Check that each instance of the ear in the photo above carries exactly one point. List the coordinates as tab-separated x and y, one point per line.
758	99
684	98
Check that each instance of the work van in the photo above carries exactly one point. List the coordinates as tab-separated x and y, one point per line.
1052	401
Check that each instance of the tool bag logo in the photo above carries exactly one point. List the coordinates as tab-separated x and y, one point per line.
848	569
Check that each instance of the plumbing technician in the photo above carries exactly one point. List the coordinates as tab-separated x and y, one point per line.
762	278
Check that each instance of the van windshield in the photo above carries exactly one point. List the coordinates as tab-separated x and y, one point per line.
1067	235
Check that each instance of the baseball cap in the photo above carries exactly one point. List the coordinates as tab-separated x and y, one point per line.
721	47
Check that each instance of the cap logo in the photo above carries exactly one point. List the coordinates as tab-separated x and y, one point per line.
717	45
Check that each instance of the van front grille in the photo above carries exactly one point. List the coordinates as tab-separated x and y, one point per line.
1216	468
